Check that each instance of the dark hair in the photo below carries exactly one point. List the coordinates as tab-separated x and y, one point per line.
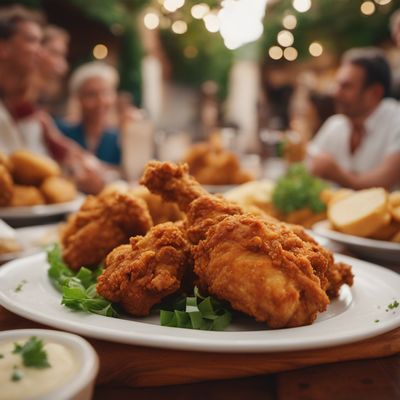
12	17
375	65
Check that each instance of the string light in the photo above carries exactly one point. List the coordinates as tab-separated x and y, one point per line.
211	22
179	27
382	2
301	5
173	5
290	53
275	52
368	8
285	38
151	20
315	49
199	11
100	51
289	21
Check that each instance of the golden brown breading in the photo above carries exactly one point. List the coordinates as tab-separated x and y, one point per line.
26	196
101	225
141	274
268	269
57	189
6	187
338	275
161	211
260	270
5	161
210	164
32	169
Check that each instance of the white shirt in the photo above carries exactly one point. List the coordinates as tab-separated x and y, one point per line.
24	134
382	137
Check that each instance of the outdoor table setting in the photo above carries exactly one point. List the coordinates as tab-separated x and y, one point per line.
356	341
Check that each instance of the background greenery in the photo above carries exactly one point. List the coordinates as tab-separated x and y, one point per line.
337	24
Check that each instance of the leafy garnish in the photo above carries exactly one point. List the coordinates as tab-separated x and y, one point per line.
32	353
20	285
393	305
79	293
1	355
78	288
377	320
298	189
16	375
196	313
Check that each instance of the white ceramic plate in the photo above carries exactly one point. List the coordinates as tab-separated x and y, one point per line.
40	211
350	318
218	188
32	240
376	249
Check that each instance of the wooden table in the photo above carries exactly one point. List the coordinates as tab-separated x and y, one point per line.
373	378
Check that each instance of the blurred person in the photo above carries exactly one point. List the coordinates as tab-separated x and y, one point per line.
360	146
93	87
53	66
395	27
22	124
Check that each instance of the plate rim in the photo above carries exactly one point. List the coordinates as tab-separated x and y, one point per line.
322	229
197	341
41	210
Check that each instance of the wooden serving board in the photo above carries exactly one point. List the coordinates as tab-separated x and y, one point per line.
135	366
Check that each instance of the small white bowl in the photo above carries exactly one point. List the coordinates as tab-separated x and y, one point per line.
81	383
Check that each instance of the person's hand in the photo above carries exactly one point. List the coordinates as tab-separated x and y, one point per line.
324	166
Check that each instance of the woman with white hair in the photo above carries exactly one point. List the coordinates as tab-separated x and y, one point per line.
94	87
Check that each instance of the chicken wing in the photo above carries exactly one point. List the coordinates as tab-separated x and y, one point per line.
138	275
102	224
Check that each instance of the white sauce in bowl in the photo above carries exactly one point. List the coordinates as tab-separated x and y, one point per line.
34	382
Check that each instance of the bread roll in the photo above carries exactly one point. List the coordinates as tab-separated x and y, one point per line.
361	213
394	205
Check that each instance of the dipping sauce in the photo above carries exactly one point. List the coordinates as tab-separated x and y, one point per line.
20	382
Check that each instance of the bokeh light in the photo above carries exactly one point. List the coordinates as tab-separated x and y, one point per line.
275	52
100	51
315	49
198	11
179	27
290	53
285	38
367	8
301	5
289	21
151	20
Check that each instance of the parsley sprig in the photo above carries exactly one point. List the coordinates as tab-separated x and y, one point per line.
78	288
32	353
197	312
298	189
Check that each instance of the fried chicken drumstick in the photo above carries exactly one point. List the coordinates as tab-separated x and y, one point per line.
267	269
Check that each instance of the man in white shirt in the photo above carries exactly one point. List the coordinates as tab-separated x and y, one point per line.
360	147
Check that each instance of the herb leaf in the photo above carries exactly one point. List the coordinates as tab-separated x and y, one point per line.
32	353
16	375
78	288
393	305
298	189
196	312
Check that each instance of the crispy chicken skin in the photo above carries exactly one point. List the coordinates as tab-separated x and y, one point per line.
6	186
140	274
210	164
270	270
102	224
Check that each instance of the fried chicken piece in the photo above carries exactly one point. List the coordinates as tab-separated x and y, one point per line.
338	275
161	211
270	270
6	186
102	224
32	169
210	164
57	189
140	274
24	196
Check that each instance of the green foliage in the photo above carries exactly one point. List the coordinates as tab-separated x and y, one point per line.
298	189
78	288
